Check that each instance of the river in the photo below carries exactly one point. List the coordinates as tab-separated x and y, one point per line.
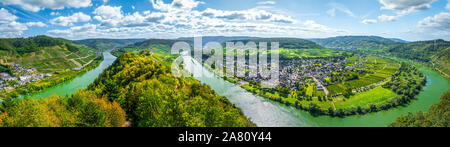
266	113
80	82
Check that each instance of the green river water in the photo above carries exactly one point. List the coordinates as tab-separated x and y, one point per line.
80	82
266	113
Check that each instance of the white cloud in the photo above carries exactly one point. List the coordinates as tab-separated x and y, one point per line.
176	5
114	17
54	13
86	29
387	18
266	3
70	20
433	27
439	22
180	18
6	17
448	5
406	4
9	27
402	8
108	15
339	7
37	5
409	5
369	21
246	15
39	24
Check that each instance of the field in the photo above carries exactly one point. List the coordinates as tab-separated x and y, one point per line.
310	53
378	95
347	96
379	68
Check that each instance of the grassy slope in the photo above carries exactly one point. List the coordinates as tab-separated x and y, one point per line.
381	68
354	42
374	96
105	44
441	62
49	59
308	53
159	46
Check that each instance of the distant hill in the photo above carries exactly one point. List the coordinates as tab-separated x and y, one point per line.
159	46
290	43
44	53
163	46
105	44
420	50
436	52
355	42
220	39
399	40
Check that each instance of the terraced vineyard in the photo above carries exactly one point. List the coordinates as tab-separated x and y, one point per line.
51	58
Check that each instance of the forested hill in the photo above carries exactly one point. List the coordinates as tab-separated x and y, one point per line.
289	43
147	43
158	46
27	45
152	97
220	39
102	44
45	53
355	42
420	50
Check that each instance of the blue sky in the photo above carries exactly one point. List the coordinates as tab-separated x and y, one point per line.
80	19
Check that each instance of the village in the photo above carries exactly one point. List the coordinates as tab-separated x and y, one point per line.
294	73
20	76
297	72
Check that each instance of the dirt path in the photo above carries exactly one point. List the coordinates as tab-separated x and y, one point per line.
75	62
333	106
325	90
443	73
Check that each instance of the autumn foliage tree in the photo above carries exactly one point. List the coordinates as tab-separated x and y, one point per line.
82	109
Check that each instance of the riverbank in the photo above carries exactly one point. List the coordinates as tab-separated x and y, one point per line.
54	80
370	99
80	81
267	113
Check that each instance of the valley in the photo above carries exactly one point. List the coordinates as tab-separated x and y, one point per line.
35	63
335	87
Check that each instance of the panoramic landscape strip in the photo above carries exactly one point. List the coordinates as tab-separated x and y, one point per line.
192	63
